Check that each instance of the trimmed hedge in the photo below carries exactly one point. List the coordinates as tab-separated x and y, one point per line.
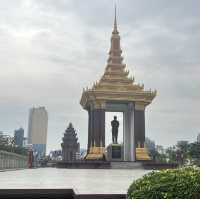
168	184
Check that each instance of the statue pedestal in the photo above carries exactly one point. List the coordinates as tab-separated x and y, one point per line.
115	152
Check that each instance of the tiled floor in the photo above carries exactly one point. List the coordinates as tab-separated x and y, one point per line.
82	181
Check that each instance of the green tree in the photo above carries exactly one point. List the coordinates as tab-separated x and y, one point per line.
183	146
194	153
182	151
3	139
150	145
7	144
154	152
171	154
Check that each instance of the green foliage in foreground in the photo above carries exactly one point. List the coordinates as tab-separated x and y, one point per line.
169	184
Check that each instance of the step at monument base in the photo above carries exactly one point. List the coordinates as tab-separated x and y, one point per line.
126	165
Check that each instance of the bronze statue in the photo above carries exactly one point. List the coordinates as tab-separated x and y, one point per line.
115	126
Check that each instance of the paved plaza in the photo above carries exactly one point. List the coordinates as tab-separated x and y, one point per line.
82	181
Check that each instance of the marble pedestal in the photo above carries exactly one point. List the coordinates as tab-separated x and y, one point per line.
115	152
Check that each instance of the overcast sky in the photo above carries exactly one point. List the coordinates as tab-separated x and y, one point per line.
51	49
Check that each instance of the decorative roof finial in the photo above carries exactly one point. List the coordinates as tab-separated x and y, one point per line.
115	21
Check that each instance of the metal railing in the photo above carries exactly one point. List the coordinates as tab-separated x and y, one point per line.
10	160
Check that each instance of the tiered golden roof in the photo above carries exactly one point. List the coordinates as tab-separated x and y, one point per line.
115	84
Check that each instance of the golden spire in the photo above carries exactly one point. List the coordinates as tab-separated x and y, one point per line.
115	31
115	49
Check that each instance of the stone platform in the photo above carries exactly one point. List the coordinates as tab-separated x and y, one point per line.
158	166
100	165
67	183
87	164
148	165
53	194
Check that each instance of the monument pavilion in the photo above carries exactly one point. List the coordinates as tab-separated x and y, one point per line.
117	92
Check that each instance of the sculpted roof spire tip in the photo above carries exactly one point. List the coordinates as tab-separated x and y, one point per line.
115	21
115	49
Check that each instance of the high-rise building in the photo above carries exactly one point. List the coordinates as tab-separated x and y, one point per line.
37	130
19	137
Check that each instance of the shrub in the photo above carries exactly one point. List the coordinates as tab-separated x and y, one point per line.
169	184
